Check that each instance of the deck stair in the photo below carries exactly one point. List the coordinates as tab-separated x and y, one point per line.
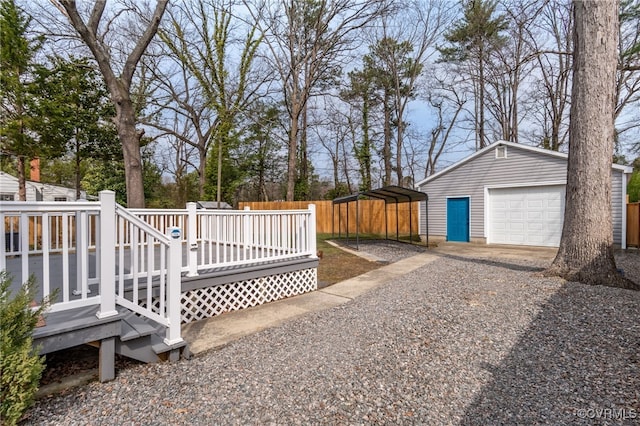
126	334
141	339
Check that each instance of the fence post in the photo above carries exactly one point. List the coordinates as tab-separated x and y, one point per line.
107	254
312	232
174	287
192	239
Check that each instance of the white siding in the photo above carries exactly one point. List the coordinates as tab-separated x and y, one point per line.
36	191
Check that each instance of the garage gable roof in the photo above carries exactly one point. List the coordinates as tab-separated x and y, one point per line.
624	169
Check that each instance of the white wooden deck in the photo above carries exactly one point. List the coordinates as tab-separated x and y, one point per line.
101	254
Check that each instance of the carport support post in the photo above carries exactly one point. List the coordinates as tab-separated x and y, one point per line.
108	231
192	239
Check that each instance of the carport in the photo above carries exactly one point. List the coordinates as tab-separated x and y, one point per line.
390	195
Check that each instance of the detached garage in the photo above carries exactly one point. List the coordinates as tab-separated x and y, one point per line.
509	193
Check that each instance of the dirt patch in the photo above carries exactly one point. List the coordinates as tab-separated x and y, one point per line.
337	265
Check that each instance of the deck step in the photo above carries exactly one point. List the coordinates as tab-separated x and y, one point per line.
143	339
168	352
134	327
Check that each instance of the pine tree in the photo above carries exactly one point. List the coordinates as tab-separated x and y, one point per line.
17	89
471	41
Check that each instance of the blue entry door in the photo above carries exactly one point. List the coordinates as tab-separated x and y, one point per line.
458	219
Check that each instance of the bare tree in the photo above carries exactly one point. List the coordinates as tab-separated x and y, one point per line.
586	245
93	32
447	102
199	38
307	40
336	134
510	64
551	91
628	78
420	32
179	110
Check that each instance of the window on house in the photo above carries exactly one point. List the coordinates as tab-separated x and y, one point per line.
60	199
7	197
501	151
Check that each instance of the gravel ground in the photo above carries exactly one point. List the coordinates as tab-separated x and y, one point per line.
390	251
457	341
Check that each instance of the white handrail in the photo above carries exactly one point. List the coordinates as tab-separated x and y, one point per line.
148	275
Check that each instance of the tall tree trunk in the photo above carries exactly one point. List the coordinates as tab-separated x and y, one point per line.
481	136
386	151
399	142
22	180
293	153
130	140
364	152
303	174
586	247
77	167
119	86
202	168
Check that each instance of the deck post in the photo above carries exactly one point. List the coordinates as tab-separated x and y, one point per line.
174	287
107	254
246	240
192	239
311	229
82	247
3	259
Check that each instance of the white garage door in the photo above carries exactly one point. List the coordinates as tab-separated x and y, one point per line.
529	216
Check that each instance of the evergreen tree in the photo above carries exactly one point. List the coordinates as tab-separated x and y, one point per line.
73	88
20	93
472	40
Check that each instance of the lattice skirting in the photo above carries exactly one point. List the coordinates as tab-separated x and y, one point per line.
210	301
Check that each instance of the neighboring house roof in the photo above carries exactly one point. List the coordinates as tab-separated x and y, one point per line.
42	188
624	169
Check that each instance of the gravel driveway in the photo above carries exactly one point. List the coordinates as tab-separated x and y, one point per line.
458	341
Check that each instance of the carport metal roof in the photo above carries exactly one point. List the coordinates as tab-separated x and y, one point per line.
390	194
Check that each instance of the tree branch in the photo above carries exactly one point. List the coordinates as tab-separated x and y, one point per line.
143	42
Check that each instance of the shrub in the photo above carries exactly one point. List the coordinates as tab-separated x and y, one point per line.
20	364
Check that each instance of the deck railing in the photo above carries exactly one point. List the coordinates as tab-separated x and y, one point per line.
80	249
101	253
223	238
32	234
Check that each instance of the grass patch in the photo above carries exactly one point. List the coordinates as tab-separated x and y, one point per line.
337	265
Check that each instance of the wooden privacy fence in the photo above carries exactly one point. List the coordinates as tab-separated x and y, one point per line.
633	224
372	215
